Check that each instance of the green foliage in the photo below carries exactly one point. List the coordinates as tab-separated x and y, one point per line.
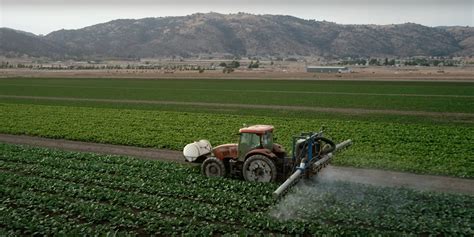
235	64
254	64
354	62
422	148
421	143
419	96
374	62
47	192
428	62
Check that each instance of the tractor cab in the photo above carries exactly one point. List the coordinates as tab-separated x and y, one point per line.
254	138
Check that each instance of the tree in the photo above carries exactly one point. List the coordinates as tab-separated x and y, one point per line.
374	61
254	65
235	64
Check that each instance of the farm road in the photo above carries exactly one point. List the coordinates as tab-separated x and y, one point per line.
366	176
254	106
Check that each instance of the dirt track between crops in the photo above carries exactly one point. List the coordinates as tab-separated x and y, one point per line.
365	176
254	106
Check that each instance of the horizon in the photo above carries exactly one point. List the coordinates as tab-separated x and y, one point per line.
52	15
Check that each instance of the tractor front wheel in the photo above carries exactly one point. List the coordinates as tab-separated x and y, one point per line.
213	167
259	168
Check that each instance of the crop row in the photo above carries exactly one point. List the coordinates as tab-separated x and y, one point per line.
123	168
112	216
427	96
25	176
139	202
192	192
422	148
94	194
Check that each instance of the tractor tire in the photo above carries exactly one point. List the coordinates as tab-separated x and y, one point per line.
213	167
259	168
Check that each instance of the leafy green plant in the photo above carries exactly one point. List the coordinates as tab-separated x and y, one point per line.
45	192
422	148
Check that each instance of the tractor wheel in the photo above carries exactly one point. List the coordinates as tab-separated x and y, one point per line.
259	168
213	167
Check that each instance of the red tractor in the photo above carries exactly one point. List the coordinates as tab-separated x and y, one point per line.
257	158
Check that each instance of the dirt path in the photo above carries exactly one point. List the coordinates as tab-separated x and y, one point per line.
145	153
253	106
366	176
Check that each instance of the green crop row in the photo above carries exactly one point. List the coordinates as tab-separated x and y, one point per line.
422	148
45	192
419	96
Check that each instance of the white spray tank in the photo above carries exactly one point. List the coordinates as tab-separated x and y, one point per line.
194	150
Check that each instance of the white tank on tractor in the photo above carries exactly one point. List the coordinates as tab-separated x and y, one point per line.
194	150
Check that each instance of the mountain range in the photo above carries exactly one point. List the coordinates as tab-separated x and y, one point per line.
240	35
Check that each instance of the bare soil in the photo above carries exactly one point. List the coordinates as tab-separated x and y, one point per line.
370	73
68	145
366	176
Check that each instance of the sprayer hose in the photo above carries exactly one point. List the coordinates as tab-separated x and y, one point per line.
330	142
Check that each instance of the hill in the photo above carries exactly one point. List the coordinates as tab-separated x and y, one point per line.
15	43
246	35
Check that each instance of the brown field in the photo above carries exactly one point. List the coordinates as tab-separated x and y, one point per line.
366	73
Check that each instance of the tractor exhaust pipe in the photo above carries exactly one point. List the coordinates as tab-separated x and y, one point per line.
294	178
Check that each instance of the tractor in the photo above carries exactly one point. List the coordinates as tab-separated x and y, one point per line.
258	158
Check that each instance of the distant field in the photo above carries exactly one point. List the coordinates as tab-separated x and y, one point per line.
429	141
399	96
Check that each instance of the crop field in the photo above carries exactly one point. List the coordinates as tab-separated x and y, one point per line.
48	191
411	147
424	140
407	96
420	127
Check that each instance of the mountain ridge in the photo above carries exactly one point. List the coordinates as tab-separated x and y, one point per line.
240	34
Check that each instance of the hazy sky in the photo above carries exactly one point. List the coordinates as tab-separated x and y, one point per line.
44	16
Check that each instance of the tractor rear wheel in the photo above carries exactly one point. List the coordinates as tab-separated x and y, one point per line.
213	167
259	168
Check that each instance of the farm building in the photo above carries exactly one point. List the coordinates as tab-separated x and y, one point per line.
327	69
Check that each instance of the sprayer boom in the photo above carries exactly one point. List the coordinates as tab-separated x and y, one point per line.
311	167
